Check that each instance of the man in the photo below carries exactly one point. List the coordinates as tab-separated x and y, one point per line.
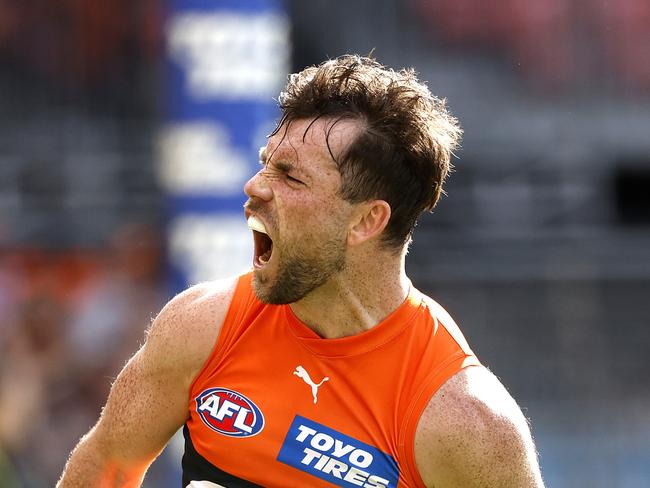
323	366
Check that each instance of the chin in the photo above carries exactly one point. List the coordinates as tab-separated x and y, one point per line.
271	294
264	290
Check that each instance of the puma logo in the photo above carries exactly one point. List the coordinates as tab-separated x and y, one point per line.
300	372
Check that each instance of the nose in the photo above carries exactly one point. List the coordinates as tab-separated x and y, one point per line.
258	187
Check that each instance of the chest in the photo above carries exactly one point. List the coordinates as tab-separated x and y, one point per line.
300	418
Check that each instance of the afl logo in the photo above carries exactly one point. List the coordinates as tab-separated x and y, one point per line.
229	413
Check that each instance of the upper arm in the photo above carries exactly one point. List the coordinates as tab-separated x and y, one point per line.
148	400
473	434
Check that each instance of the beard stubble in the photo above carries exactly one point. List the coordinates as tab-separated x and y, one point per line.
300	274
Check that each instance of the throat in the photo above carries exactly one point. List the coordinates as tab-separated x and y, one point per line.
335	319
356	299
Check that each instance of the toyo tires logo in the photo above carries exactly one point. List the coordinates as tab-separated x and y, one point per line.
229	412
335	457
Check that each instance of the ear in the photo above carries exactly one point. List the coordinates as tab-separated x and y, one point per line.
370	220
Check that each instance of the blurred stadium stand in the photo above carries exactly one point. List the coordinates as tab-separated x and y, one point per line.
541	250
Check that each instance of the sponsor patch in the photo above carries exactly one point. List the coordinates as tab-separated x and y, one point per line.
229	412
329	455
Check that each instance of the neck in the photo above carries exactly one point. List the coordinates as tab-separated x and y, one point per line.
357	298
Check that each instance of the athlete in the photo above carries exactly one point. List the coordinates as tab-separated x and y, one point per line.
323	365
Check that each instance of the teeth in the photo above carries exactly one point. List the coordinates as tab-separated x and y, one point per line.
256	224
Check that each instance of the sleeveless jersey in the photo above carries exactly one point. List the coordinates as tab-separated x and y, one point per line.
275	405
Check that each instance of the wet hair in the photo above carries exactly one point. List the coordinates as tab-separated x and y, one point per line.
406	139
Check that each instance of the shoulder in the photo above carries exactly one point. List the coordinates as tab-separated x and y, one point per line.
472	433
185	331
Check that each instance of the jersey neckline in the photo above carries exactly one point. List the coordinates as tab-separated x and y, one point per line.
356	344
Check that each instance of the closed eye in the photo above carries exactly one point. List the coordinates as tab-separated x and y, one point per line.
280	168
295	180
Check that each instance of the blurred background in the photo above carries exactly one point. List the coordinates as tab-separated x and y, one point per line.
128	128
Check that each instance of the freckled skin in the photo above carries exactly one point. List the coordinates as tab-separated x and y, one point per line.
295	193
148	402
471	434
373	282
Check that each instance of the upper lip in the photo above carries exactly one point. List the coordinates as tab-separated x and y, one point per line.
248	213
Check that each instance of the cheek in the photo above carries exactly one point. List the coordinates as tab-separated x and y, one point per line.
311	219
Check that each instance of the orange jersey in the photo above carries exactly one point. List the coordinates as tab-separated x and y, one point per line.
275	405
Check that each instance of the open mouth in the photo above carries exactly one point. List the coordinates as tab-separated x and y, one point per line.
263	243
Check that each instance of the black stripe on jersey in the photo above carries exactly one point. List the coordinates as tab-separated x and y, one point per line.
197	468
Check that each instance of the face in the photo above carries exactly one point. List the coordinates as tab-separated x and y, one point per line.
299	222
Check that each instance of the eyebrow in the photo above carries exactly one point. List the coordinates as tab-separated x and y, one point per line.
284	166
280	164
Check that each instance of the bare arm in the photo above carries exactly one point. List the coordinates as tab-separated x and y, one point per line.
148	401
473	434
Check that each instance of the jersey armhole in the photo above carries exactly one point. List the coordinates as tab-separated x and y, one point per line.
455	363
231	320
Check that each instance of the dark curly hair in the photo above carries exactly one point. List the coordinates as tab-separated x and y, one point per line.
402	153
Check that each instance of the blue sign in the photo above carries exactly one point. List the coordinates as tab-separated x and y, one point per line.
227	61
